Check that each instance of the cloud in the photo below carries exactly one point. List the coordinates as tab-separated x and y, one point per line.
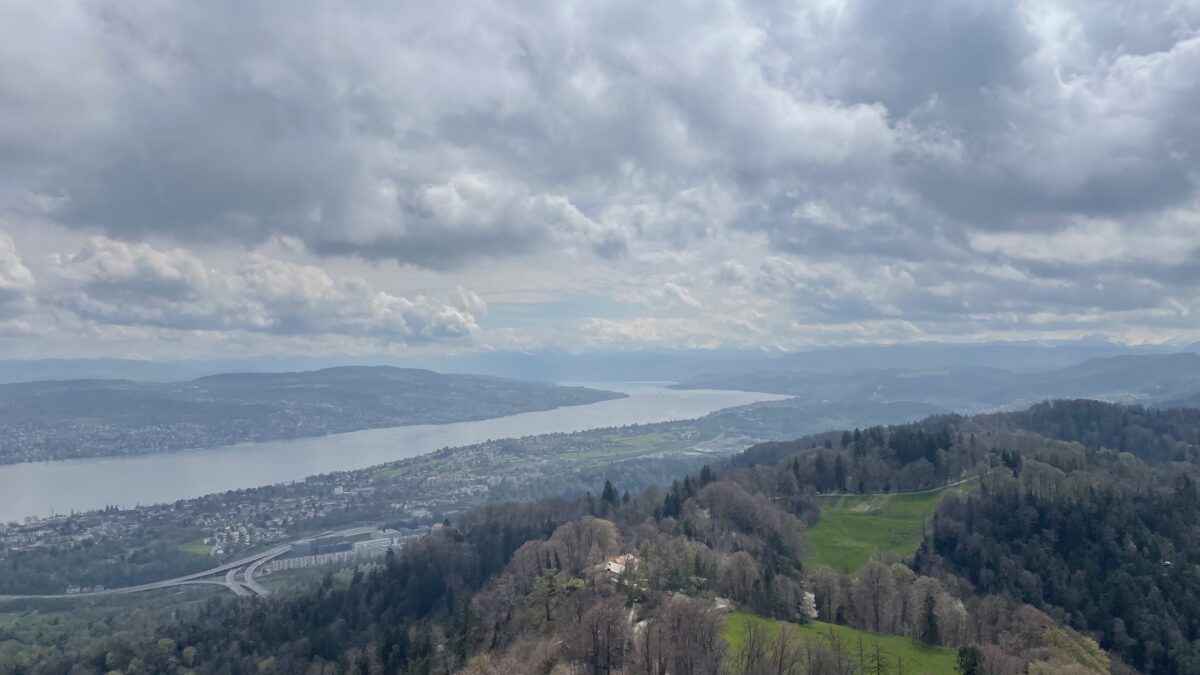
412	134
467	215
669	295
826	171
17	284
432	136
112	282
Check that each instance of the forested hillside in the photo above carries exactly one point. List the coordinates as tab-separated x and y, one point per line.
1152	434
1066	558
1095	537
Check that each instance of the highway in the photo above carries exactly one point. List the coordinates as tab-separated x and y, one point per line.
226	575
232	582
252	569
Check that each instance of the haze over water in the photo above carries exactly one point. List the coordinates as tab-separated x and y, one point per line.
42	488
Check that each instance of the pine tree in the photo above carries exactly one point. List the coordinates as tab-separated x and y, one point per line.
673	503
929	627
839	474
970	661
609	495
877	662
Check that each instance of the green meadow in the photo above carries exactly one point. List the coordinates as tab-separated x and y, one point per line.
917	657
855	529
197	546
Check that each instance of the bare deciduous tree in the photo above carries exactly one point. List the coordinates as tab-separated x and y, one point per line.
741	574
601	639
683	637
874	597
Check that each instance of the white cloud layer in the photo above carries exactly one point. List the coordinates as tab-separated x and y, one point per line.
16	281
112	282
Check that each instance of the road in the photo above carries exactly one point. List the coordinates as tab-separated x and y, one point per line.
252	569
226	575
232	582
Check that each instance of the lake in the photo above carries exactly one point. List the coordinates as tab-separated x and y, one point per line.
42	488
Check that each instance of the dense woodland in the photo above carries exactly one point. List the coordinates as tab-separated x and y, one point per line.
1068	558
1098	539
1153	434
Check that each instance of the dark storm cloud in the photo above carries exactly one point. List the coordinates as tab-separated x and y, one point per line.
905	54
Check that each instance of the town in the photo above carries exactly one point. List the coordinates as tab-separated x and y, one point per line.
117	546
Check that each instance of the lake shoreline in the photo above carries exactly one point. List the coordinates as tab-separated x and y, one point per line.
204	448
76	485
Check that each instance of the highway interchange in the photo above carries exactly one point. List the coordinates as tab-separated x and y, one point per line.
239	576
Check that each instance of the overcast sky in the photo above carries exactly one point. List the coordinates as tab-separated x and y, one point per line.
225	178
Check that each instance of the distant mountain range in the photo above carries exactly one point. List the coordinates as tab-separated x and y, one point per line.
614	366
1151	379
61	419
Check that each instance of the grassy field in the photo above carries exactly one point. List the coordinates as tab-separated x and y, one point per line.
918	658
854	529
197	546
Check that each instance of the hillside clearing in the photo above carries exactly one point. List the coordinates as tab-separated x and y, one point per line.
917	657
855	529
